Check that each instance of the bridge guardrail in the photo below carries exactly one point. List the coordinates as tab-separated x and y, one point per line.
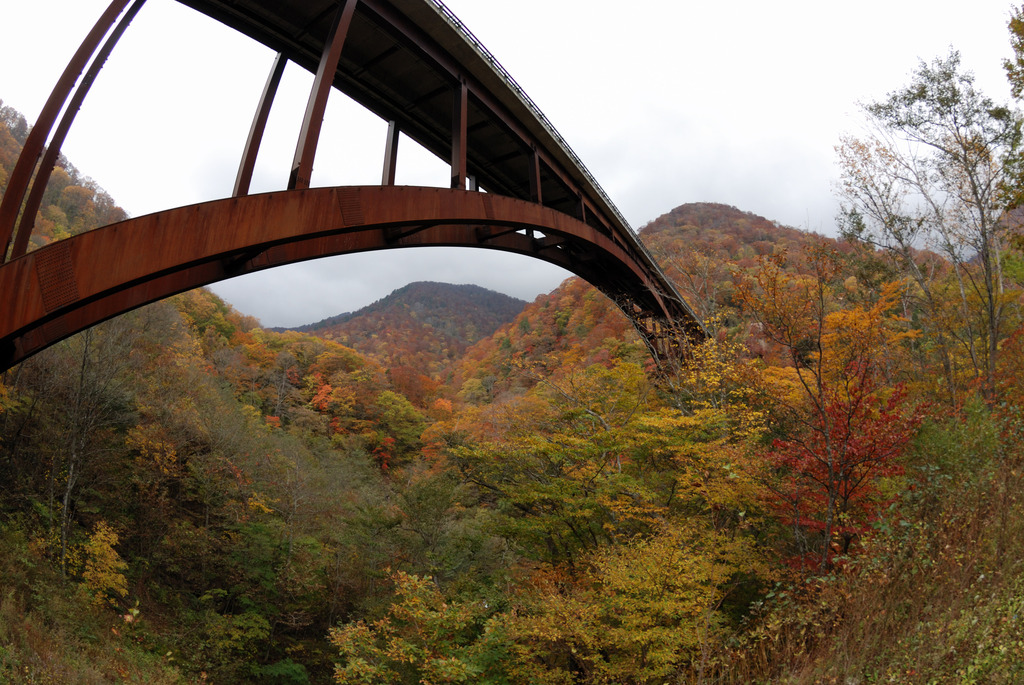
457	24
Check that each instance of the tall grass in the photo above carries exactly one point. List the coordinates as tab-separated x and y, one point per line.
936	593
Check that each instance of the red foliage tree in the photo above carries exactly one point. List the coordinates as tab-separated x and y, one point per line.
830	471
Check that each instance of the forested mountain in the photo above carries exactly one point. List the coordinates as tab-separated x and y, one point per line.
826	490
72	203
703	247
421	328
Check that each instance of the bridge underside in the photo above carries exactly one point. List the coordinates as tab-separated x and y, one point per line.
75	283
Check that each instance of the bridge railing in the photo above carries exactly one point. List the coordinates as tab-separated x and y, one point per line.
486	55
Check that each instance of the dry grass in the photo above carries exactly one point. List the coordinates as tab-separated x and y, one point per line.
936	596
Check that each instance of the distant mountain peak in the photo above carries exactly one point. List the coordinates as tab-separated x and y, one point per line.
424	324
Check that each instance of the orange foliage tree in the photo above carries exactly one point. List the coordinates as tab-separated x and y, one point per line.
842	416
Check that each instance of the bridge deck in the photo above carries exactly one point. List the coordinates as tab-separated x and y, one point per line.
402	60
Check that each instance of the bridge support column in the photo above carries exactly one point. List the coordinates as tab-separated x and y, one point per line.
534	172
390	155
581	208
309	135
460	134
259	125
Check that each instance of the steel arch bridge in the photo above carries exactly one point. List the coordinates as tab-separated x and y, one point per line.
515	183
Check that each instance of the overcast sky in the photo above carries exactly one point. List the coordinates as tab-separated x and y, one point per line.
665	101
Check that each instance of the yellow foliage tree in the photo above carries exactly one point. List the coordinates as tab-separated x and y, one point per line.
647	611
422	639
104	568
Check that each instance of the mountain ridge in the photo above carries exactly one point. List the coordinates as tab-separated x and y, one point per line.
381	303
421	329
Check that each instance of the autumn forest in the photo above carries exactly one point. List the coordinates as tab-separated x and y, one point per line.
454	486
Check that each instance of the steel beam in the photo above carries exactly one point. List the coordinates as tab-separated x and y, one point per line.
390	155
312	121
259	125
19	179
536	195
61	290
460	134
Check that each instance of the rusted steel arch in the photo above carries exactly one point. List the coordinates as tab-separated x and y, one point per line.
409	61
75	283
412	63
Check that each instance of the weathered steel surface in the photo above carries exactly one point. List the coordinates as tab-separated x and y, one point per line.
390	155
415	65
460	135
18	182
35	196
259	125
78	282
309	135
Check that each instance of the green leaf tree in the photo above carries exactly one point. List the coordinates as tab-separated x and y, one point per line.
938	168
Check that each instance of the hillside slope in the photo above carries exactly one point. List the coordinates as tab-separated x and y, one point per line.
190	498
73	203
702	247
421	328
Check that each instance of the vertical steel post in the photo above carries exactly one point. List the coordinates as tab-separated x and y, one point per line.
390	155
259	124
460	134
534	173
36	141
309	135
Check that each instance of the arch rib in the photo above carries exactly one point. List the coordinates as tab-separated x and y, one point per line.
154	256
18	183
35	196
